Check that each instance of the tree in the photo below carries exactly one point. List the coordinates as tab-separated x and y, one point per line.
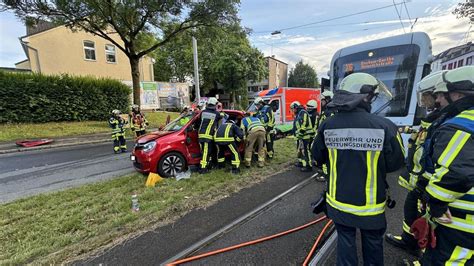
303	76
465	10
225	57
143	26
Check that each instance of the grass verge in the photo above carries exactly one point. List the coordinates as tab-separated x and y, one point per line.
57	227
12	131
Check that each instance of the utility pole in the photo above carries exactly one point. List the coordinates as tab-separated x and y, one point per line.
196	70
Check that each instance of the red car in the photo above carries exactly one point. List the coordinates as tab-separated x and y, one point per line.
173	149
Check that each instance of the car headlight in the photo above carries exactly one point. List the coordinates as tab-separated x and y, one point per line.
149	146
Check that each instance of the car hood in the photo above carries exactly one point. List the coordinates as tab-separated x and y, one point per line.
152	136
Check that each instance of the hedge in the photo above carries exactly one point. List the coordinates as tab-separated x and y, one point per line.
26	97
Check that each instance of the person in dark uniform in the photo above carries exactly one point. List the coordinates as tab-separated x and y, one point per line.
359	148
312	109
304	132
266	116
415	178
116	122
227	136
209	122
138	122
450	191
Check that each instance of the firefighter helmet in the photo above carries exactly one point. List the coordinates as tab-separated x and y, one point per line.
312	104
212	101
459	79
426	87
258	100
363	83
116	112
294	105
327	94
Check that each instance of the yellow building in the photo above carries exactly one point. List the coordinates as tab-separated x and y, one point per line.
52	49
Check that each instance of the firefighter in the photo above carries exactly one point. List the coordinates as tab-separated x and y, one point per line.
304	132
415	178
138	122
359	148
312	108
450	191
227	136
326	98
254	133
116	122
209	122
266	116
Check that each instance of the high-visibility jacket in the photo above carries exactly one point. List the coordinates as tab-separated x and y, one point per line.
452	183
228	133
267	117
138	121
303	127
415	169
251	123
117	124
209	122
313	116
359	149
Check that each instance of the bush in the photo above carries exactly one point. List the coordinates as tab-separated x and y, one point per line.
26	97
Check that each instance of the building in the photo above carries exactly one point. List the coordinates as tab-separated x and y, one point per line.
52	49
277	77
454	57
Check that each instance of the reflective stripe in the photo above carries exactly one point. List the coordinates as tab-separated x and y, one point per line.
404	183
399	138
442	193
459	256
333	173
465	225
205	147
235	162
354	209
371	182
406	228
462	204
208	129
454	147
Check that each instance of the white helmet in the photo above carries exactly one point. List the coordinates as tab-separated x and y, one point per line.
363	83
426	87
212	101
459	79
327	94
258	100
312	104
294	105
116	112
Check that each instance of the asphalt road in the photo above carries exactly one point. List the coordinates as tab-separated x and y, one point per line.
24	174
156	246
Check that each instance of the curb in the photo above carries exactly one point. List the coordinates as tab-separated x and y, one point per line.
53	146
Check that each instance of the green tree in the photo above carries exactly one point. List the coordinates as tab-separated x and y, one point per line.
465	10
143	26
225	57
303	76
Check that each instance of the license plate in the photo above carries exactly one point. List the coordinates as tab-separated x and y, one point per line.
132	157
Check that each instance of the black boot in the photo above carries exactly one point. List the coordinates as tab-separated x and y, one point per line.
306	169
203	171
235	171
220	165
400	242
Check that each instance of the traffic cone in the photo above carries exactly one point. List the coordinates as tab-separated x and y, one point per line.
152	179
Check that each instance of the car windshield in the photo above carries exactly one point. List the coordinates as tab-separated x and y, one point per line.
395	66
179	122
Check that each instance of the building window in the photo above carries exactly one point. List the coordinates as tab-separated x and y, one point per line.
469	61
444	67
455	64
450	66
89	50
110	53
460	62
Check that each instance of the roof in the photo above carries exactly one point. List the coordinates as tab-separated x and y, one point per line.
273	58
40	26
454	52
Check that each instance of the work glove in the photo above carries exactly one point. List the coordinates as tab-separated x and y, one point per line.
423	231
320	204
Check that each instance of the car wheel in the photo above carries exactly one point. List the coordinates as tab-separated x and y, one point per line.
171	164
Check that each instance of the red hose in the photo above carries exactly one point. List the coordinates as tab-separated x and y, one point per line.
305	263
245	243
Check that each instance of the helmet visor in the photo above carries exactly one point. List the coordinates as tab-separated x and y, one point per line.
382	91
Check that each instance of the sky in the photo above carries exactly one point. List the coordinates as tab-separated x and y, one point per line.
316	42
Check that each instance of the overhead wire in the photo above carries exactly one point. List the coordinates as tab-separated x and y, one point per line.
399	16
334	18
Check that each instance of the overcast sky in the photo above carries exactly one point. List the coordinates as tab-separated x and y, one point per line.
316	42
